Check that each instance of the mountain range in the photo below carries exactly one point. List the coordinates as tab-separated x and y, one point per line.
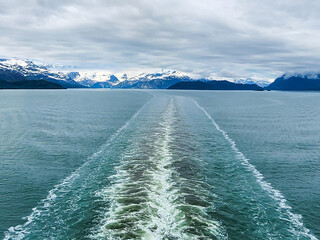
17	73
161	80
12	70
23	70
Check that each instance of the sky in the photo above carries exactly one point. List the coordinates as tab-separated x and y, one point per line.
208	38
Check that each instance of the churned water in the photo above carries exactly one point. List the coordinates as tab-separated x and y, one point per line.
109	164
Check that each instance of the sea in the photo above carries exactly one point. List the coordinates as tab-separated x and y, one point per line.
159	164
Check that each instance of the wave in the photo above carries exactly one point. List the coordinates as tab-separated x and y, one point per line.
297	225
20	231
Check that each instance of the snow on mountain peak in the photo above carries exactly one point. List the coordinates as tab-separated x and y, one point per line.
151	76
261	83
89	78
93	76
307	75
15	62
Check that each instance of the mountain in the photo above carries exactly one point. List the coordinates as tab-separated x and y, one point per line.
94	79
297	82
20	70
27	84
215	85
12	70
154	80
260	83
160	80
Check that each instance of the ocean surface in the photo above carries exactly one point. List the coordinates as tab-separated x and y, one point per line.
144	164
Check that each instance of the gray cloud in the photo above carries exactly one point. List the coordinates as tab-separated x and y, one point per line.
205	37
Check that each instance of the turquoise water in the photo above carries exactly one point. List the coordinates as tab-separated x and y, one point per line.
108	164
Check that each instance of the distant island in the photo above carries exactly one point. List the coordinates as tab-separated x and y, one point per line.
29	84
214	85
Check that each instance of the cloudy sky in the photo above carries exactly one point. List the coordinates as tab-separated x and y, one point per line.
223	39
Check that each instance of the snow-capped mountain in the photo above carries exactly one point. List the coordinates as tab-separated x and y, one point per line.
152	76
94	79
306	75
297	82
261	83
162	79
16	69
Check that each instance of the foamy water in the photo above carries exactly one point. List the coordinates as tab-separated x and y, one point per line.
169	171
145	197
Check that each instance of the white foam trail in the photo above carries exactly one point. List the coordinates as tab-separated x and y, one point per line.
295	219
165	196
18	232
161	192
161	216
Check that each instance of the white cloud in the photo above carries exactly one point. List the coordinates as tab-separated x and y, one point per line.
205	37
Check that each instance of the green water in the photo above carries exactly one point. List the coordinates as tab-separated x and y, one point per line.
106	164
